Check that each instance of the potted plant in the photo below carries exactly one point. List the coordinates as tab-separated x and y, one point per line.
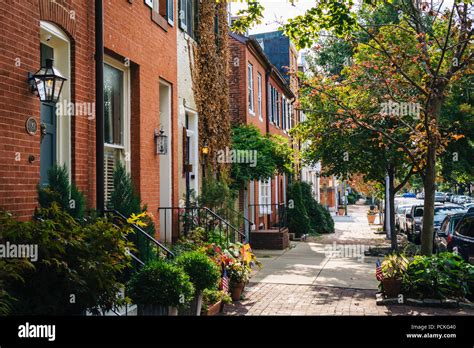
393	270
202	272
238	277
159	288
371	216
213	301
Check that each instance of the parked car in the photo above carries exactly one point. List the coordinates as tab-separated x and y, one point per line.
468	205
462	241
444	235
400	214
439	197
413	223
441	212
420	195
402	220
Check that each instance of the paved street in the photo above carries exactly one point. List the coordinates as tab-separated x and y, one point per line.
327	275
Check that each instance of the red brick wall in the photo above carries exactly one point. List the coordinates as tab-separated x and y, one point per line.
20	39
237	81
131	33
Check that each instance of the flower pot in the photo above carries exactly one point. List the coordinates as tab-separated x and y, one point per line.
236	290
172	311
371	218
391	287
194	307
213	309
152	310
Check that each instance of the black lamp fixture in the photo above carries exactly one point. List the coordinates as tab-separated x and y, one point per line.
161	140
48	82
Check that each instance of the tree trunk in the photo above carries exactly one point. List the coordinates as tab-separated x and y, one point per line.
429	202
391	201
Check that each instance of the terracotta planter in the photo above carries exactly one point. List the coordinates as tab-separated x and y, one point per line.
371	218
391	287
213	309
236	291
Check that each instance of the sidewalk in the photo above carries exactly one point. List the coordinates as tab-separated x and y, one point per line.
313	278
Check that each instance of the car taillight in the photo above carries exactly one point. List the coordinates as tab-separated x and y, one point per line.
449	238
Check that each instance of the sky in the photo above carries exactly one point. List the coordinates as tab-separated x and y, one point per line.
276	12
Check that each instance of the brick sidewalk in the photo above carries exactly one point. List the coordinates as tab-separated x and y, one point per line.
287	299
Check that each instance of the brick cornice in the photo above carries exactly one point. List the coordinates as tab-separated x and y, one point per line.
59	12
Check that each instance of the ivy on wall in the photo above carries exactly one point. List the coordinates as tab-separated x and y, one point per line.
210	75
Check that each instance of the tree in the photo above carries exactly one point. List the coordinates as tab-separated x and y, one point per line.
421	56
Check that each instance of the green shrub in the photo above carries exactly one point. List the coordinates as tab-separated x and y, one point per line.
125	200
444	275
298	220
203	273
60	191
161	283
213	296
78	267
320	218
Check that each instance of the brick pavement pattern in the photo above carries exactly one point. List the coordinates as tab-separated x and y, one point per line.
304	281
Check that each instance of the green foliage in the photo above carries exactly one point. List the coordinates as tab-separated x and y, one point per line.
320	218
123	197
202	272
298	220
161	283
213	296
125	200
248	17
59	190
283	153
85	262
394	266
443	275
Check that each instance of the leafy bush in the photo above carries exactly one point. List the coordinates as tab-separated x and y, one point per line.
320	218
161	283
125	200
213	296
203	273
298	220
60	191
444	275
78	267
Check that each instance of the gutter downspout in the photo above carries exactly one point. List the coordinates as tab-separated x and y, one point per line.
99	105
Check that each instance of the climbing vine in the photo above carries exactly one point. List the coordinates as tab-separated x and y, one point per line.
210	80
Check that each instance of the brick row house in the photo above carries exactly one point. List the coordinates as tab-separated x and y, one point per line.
140	99
261	95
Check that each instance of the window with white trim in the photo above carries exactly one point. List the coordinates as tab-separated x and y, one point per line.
188	16
260	108
250	88
116	121
265	196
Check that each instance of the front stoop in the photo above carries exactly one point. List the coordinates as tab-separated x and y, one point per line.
272	239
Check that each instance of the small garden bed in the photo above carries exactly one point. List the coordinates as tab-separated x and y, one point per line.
441	280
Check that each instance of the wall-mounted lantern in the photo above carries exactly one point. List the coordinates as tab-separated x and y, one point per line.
161	140
205	150
48	82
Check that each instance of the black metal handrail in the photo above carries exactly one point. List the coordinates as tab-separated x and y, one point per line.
148	239
274	215
192	217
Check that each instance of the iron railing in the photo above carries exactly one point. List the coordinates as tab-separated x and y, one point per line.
187	219
269	216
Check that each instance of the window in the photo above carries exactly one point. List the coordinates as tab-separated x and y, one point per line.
466	227
283	113
116	122
278	104
188	12
265	196
260	109
170	11
250	88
